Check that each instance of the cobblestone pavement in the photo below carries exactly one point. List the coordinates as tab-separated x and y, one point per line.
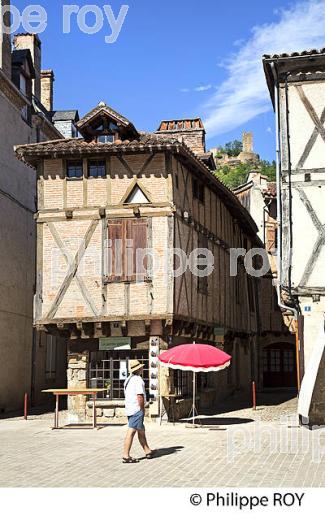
227	451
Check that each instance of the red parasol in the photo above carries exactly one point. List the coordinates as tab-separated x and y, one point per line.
195	357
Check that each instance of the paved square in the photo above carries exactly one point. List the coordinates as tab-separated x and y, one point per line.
269	453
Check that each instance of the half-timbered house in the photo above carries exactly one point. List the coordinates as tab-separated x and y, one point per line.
297	84
101	199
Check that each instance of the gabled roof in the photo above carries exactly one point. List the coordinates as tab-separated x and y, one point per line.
104	110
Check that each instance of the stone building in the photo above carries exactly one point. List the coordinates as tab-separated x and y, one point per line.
106	197
28	361
259	197
297	85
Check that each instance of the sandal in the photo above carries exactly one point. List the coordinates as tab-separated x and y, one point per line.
129	460
150	455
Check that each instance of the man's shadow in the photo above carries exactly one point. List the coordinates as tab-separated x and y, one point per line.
162	452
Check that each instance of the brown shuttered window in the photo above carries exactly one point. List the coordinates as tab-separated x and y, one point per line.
127	240
202	281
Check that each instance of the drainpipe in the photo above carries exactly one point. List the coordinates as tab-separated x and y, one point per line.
293	310
278	189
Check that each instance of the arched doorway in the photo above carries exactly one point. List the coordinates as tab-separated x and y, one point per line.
279	366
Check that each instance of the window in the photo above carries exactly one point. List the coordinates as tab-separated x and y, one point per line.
105	139
23	84
202	281
50	364
96	169
182	383
136	196
74	170
126	250
106	370
23	89
198	190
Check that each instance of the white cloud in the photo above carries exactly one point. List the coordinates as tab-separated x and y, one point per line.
244	95
203	88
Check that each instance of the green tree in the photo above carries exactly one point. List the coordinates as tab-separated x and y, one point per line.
233	148
233	176
268	169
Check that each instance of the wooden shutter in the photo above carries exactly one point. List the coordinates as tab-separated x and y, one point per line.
127	236
202	281
116	250
138	232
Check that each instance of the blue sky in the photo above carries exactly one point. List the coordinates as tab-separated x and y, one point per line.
181	58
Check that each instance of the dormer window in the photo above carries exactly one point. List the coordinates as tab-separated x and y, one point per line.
104	139
105	125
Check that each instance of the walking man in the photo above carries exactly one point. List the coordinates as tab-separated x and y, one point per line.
135	401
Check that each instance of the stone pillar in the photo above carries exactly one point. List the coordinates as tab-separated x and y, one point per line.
77	378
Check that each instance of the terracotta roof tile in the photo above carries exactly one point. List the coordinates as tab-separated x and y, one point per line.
32	153
294	54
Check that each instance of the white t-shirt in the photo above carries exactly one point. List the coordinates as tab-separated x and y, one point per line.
133	386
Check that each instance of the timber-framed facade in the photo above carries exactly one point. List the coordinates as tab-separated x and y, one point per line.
114	185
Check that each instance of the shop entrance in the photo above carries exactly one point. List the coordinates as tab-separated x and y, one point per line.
279	366
108	369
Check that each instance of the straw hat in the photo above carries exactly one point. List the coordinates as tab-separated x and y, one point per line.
134	365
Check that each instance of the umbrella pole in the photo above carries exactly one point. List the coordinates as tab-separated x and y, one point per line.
194	385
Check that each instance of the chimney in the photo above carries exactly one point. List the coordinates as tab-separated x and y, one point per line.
47	80
5	39
33	43
191	132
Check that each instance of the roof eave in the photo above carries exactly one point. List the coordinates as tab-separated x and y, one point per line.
178	148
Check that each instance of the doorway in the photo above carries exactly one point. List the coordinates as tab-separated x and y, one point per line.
279	366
